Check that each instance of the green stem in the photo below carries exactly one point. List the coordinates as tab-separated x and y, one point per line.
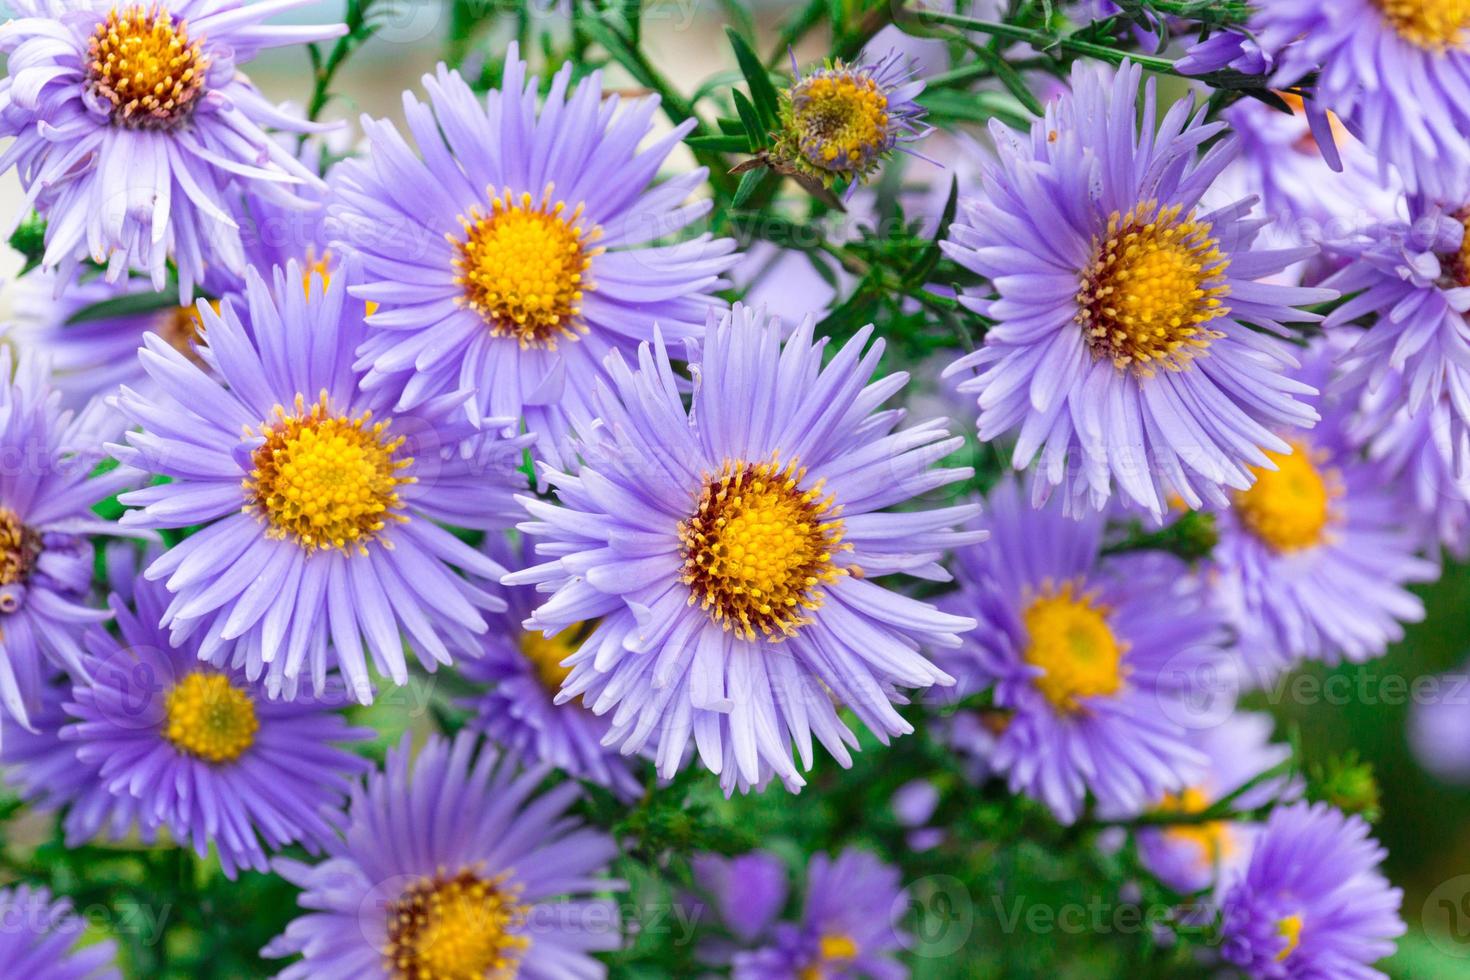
1046	40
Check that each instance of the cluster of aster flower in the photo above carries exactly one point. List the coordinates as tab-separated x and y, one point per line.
477	400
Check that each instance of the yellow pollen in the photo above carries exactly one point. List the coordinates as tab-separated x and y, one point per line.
19	549
1151	288
1290	929
1290	508
316	266
1436	25
209	717
547	652
1458	266
1212	839
834	951
523	267
758	547
459	928
840	120
326	480
141	61
183	328
1068	637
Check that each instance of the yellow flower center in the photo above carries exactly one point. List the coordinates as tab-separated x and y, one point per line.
459	928
757	547
1212	839
1151	288
1458	265
1290	929
1436	25
19	549
209	717
547	652
834	951
327	480
1069	638
140	60
1289	508
523	268
840	120
183	328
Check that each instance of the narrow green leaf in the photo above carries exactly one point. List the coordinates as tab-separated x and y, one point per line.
759	137
721	144
762	92
923	267
748	183
1012	80
132	304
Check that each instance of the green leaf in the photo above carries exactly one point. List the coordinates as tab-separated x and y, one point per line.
721	144
132	304
749	181
923	267
762	92
30	241
1012	80
749	118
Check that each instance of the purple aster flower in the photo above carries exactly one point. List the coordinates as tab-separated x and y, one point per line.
514	254
848	926
454	866
48	458
1281	163
1120	350
1427	451
44	937
1395	71
1193	857
1313	559
727	552
46	773
1225	50
318	504
524	672
1412	279
1439	727
840	122
202	750
1093	662
749	894
132	122
1312	904
94	357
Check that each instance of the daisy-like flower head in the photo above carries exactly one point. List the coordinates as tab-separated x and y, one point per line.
1412	280
524	672
515	253
201	749
318	503
1428	451
1093	662
454	866
1312	903
46	773
43	937
1190	857
48	458
1394	70
132	122
840	122
1313	559
847	929
92	357
725	551
1120	352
